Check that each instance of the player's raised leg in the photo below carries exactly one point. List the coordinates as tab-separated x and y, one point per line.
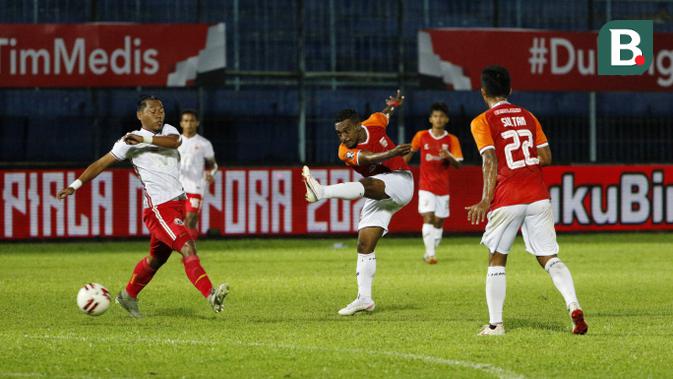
316	191
365	271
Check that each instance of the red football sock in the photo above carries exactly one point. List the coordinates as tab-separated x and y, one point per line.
197	275
142	275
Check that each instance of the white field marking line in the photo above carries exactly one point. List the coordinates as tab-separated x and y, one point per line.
496	371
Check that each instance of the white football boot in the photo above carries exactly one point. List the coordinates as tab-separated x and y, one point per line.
486	330
314	190
128	303
216	297
358	305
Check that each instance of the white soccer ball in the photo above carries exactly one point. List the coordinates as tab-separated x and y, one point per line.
93	299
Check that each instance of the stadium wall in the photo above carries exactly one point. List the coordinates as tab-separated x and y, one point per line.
268	201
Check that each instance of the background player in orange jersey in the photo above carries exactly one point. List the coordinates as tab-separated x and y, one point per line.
388	185
439	151
513	147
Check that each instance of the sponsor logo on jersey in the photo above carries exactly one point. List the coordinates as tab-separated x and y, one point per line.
383	142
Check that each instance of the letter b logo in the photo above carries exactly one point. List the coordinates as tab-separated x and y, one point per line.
625	47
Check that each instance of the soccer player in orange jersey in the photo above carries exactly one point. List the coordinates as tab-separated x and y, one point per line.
440	150
513	148
388	185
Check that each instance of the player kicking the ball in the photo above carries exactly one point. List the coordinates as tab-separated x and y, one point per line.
387	186
153	152
440	150
513	147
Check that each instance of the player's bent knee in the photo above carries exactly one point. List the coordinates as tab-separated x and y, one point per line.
428	218
188	249
156	262
497	259
542	260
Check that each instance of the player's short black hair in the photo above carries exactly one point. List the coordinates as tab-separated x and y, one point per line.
347	114
142	101
440	107
495	81
192	112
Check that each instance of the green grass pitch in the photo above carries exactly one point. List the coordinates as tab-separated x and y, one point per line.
280	319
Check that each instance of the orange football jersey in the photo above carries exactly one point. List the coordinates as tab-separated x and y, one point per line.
515	134
435	170
377	142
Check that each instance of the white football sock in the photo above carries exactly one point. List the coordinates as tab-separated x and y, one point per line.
496	286
563	281
366	269
345	191
438	236
429	239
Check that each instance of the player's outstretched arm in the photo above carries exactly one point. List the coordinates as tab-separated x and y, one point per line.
392	103
367	158
172	141
477	213
544	155
89	174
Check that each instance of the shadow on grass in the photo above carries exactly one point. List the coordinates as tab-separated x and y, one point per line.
518	323
179	312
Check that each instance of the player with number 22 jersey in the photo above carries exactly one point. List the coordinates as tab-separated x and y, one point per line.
514	134
513	148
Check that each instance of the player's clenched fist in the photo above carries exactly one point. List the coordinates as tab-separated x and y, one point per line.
132	139
67	191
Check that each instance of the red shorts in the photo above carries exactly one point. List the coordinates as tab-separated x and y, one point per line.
193	203
166	224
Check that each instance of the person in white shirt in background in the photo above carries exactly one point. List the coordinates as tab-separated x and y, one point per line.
197	168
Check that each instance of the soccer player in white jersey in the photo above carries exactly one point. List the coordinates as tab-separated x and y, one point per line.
197	167
153	152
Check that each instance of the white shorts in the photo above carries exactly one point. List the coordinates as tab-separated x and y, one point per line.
400	190
428	202
536	221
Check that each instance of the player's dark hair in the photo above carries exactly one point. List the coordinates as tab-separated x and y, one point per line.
440	107
142	101
348	114
191	112
495	81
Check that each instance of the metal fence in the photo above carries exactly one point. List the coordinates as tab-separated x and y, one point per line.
294	63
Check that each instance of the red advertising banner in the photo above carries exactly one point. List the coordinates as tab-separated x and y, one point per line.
270	202
109	55
538	60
